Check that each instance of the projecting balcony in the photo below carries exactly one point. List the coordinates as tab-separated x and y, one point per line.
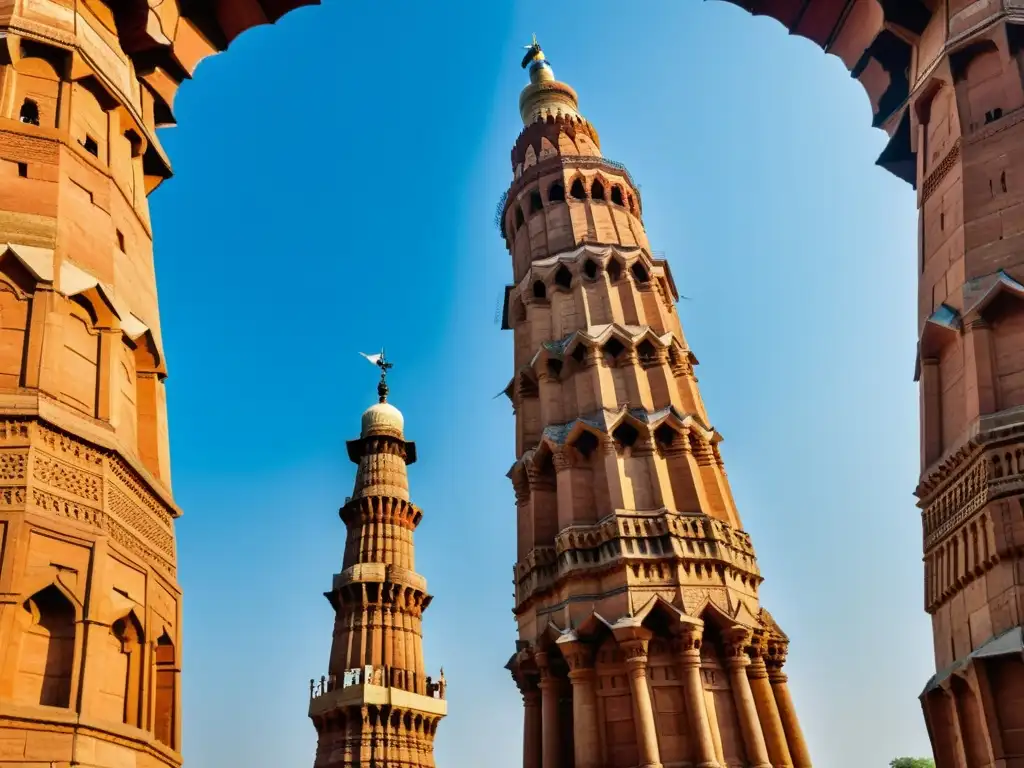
370	685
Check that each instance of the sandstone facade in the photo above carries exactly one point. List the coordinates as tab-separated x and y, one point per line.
90	607
642	638
945	81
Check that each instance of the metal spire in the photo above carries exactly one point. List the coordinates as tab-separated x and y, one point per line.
381	362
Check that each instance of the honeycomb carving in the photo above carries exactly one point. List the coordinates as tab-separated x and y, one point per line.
127	511
68	447
12	466
65	477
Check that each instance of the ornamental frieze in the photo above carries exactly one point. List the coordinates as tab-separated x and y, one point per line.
984	476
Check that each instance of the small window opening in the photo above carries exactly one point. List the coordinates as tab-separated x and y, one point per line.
632	206
30	112
536	204
586	444
626	435
540	290
942	221
646	352
597	190
614	270
617	196
639	272
519	217
1002	181
120	240
577	191
590	268
562	278
664	436
993	115
613	348
554	367
556	193
580	353
23	170
91	146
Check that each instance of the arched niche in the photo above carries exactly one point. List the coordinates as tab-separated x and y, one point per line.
17	286
165	693
37	72
80	356
46	655
123	651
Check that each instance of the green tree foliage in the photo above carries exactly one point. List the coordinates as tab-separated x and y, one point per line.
912	762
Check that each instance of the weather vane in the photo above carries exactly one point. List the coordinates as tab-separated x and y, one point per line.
381	362
533	53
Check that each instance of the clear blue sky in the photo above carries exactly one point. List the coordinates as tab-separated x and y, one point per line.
336	182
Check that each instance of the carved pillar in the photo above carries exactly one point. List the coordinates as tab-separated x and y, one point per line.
768	710
643	713
549	713
584	704
737	639
774	660
698	721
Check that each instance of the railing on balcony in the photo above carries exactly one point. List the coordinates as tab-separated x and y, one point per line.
382	676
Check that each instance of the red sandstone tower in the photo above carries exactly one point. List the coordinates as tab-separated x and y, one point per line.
377	706
90	607
642	639
945	82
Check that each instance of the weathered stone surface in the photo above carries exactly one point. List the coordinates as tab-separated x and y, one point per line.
89	601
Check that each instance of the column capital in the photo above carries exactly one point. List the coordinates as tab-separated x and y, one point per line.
775	652
737	641
635	651
580	658
560	460
688	643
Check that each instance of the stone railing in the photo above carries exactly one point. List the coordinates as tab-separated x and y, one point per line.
639	538
383	676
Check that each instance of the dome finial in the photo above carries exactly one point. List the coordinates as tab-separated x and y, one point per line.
536	61
381	362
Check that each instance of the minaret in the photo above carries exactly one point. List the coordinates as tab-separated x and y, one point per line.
377	705
642	641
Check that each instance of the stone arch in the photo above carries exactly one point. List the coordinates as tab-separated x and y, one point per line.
46	657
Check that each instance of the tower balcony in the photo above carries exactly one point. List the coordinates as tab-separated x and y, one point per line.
653	549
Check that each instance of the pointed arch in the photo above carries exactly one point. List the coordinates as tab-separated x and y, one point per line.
47	652
577	190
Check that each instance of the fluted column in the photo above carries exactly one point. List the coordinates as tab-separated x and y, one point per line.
767	710
643	712
737	640
584	704
774	660
698	721
549	713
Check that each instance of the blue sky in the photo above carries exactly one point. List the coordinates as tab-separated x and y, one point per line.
336	182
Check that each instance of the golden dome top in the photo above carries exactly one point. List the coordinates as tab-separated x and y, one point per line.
544	96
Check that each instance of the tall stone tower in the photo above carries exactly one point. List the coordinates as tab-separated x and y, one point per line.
90	607
377	705
642	641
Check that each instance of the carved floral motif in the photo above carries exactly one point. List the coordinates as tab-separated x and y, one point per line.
66	477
